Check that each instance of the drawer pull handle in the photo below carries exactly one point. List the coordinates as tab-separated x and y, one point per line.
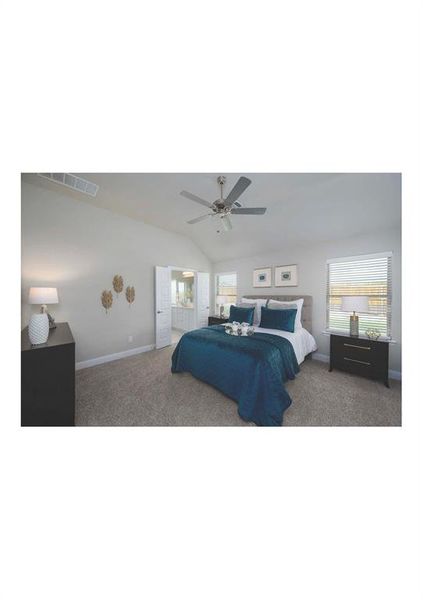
355	346
362	362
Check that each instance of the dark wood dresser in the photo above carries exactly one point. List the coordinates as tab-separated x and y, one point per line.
217	321
48	379
361	356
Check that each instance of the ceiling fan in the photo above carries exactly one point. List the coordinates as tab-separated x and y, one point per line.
224	207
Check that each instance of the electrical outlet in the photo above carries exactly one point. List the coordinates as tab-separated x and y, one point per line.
130	338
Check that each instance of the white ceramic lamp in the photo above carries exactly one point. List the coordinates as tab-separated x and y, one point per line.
355	304
39	324
221	301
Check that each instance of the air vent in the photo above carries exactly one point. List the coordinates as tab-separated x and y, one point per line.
73	182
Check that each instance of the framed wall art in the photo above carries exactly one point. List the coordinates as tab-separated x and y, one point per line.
286	276
262	277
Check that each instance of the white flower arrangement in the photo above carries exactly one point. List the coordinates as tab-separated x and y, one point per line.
241	329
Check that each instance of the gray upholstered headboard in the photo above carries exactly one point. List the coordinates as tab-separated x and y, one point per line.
306	314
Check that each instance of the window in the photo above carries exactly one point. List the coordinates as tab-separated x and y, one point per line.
369	275
225	292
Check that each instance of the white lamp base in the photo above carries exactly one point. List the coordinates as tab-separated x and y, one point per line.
38	329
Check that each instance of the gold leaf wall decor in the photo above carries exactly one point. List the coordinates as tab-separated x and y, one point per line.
118	283
130	294
107	299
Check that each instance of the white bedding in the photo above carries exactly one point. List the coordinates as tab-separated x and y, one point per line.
302	341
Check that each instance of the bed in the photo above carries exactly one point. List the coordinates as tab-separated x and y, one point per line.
250	370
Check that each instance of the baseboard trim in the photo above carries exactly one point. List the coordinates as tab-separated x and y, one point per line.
394	374
99	360
325	358
320	357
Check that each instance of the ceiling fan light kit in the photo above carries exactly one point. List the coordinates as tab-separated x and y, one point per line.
224	207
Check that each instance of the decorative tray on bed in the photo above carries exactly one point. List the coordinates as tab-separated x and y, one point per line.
235	328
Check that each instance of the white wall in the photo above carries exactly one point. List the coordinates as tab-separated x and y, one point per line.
78	248
311	261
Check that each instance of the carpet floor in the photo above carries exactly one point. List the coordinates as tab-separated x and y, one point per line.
142	391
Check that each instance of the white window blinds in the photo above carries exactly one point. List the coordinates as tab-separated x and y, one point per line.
226	292
370	276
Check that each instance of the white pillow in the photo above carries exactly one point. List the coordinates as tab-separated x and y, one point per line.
258	302
298	304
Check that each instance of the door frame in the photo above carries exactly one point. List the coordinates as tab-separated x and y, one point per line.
209	276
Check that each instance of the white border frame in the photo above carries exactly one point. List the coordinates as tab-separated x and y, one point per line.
294	271
256	284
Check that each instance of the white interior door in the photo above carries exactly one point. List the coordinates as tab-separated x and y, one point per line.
203	298
163	308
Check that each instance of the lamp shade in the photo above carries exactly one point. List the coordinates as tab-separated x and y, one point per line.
220	299
43	295
358	304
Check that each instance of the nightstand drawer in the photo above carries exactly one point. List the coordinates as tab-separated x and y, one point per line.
368	368
359	352
348	344
357	366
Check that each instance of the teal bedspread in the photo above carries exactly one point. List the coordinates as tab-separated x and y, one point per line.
250	370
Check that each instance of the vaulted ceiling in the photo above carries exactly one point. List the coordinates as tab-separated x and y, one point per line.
301	208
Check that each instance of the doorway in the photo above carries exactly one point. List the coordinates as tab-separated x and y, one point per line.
182	303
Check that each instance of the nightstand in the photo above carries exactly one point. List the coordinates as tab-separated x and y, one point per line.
217	321
361	356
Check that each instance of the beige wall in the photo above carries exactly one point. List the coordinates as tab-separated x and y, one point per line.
311	261
79	248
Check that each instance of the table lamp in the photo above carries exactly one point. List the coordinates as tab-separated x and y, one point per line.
221	301
359	304
39	324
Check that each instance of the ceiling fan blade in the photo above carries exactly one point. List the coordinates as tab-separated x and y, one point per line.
195	199
226	223
248	211
240	186
198	219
